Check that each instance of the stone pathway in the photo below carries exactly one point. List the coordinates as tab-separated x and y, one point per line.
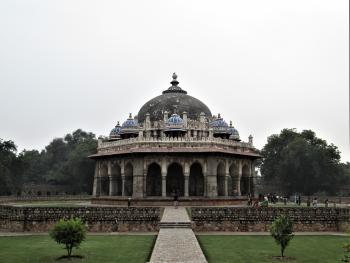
176	245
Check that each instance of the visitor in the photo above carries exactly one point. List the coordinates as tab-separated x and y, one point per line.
308	202
250	202
285	200
299	200
176	200
314	202
129	201
326	202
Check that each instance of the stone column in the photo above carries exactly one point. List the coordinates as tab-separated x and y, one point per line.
227	174
163	185
122	173
186	184
95	191
137	178
164	172
205	178
186	177
123	185
212	187
111	183
226	185
239	177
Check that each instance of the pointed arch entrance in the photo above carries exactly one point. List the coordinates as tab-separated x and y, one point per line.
175	180
221	179
128	186
245	187
196	181
154	180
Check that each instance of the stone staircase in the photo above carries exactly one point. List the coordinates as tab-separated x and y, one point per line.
175	225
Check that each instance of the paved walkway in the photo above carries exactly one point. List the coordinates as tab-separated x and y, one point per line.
175	245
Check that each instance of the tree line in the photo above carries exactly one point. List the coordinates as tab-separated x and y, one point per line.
293	162
64	162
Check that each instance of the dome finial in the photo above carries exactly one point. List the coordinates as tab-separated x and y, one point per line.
174	86
174	82
230	123
219	116
130	116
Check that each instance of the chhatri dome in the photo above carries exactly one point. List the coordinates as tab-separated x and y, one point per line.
173	100
174	145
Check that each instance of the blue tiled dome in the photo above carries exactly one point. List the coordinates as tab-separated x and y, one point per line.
233	132
115	132
175	120
130	123
219	123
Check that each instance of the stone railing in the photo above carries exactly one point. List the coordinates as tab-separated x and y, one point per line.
105	219
259	219
191	143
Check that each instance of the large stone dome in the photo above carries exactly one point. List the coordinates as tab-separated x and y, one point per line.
173	100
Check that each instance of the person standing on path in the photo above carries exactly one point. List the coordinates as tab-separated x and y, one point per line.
176	199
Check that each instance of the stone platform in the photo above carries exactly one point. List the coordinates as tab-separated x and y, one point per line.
168	201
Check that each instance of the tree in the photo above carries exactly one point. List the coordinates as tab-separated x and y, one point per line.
301	162
282	231
70	233
10	168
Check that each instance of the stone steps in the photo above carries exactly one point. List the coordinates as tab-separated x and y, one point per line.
175	225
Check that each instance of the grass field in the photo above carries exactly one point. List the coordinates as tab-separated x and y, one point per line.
261	249
104	249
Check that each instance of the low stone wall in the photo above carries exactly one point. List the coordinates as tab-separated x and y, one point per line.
259	219
169	201
97	219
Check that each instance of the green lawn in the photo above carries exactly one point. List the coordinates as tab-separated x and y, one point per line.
104	249
259	249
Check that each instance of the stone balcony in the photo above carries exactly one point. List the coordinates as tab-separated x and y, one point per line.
175	145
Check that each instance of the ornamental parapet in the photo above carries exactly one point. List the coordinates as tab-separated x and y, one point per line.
169	144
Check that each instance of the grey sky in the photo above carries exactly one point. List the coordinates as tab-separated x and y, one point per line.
265	65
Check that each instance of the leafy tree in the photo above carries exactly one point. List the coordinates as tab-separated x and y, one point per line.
10	168
70	233
282	231
301	162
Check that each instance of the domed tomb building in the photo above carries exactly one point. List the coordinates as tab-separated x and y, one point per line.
174	145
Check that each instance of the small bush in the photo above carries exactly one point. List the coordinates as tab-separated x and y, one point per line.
282	231
70	233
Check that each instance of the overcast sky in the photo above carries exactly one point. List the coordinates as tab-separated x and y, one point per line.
265	65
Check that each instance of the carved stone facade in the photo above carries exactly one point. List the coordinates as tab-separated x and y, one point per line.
200	156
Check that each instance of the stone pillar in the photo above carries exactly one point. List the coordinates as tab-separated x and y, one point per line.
205	177
164	172
212	188
122	173
186	177
239	177
184	117
226	185
95	191
137	191
227	174
109	174
112	187
123	185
